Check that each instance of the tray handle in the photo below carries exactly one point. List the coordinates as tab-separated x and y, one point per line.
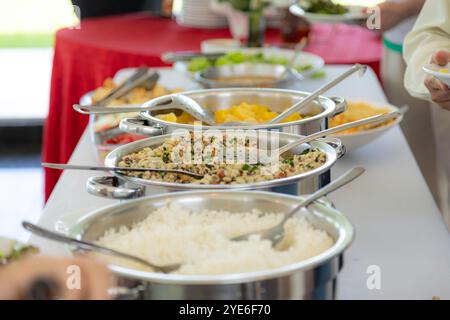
140	127
110	187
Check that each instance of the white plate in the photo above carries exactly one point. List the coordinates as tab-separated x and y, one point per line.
434	71
355	13
358	139
304	58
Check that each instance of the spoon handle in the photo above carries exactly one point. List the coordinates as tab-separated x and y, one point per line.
78	243
276	233
346	178
342	127
341	181
62	166
310	98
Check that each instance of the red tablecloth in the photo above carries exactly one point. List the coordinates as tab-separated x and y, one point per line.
84	57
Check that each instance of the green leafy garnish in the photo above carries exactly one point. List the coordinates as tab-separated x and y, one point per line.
199	64
245	167
306	151
304	67
166	157
289	161
236	57
318	74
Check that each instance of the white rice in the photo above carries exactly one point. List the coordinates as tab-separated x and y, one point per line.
173	234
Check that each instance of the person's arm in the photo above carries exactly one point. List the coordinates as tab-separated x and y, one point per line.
392	13
431	34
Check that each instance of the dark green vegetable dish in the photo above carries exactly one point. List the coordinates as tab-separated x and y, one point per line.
322	7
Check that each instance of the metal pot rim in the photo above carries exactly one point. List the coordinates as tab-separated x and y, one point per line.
345	237
291	75
112	158
327	104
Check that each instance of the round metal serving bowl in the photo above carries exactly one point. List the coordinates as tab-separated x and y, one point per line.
248	75
276	100
122	186
313	278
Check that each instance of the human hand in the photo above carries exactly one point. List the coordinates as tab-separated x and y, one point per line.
17	278
439	91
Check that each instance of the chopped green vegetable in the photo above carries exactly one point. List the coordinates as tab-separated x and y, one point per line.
166	157
245	167
306	151
318	74
199	64
304	67
289	161
236	57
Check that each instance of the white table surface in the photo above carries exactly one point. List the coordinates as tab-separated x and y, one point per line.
398	225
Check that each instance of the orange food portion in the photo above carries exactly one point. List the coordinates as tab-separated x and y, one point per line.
244	112
253	113
358	111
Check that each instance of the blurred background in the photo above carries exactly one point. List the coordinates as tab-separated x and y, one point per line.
27	29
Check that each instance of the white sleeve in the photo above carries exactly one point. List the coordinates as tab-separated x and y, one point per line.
430	34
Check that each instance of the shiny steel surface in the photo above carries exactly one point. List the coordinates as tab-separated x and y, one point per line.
314	278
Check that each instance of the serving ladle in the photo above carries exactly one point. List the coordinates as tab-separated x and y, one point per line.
276	233
89	246
171	101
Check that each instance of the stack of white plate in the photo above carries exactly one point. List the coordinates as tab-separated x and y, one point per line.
197	14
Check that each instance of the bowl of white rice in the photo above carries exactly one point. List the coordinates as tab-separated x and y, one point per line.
194	228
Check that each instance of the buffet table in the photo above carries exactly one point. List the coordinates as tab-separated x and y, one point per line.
399	231
84	57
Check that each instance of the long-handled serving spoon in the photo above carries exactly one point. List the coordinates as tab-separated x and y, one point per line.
51	235
61	166
276	233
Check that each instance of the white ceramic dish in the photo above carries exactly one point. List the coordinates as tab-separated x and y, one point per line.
304	58
355	13
433	70
358	139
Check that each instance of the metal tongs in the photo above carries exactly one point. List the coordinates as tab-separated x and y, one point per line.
142	77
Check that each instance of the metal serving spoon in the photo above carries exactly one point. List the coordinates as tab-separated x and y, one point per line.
298	49
324	133
311	97
305	102
62	166
171	101
342	127
51	235
276	233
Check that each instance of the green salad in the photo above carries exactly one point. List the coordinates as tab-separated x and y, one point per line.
236	57
13	250
322	7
